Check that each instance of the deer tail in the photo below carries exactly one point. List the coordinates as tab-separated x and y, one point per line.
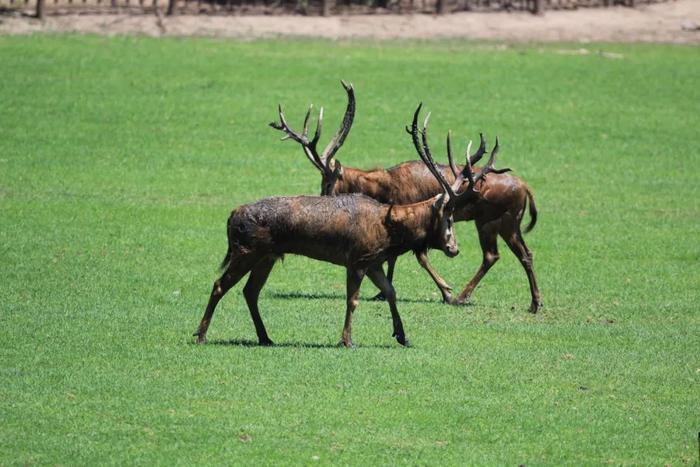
227	259
533	211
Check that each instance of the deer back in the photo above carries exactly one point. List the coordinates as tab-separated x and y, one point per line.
334	229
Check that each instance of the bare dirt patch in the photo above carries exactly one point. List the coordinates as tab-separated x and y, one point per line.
672	22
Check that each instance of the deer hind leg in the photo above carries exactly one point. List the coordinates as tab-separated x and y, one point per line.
445	289
390	264
353	281
488	239
251	292
237	268
377	276
514	238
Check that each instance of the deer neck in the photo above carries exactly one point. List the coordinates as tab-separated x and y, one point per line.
372	183
412	225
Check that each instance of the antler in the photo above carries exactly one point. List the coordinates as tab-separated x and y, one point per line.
476	157
309	146
470	160
453	166
488	168
322	161
423	150
426	156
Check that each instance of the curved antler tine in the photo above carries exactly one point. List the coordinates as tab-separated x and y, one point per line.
310	147
289	133
453	167
278	125
342	133
431	162
468	172
319	124
476	157
414	132
306	121
415	116
417	143
282	119
501	171
282	126
468	169
492	157
489	165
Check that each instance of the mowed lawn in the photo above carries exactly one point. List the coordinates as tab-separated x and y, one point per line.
121	158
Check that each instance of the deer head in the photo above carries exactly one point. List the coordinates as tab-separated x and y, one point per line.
444	204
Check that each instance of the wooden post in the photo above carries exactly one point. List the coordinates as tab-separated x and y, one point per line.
40	8
440	7
327	7
538	7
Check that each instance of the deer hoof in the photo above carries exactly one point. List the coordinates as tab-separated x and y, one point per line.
266	342
347	345
403	341
201	339
534	306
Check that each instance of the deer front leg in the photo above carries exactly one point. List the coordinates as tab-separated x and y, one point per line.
353	281
390	264
377	276
445	289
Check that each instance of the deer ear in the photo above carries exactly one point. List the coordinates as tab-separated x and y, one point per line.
338	170
439	204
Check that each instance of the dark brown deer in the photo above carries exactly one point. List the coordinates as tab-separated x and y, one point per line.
498	211
350	230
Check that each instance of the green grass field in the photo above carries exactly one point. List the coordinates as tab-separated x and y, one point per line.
121	158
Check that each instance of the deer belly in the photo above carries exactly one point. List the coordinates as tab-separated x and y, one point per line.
315	249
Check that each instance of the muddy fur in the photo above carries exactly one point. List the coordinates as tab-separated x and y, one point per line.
341	229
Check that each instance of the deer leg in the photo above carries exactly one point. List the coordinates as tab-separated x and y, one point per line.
445	289
377	276
390	264
234	273
353	282
489	248
251	292
516	243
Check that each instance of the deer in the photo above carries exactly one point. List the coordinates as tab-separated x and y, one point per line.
498	211
349	230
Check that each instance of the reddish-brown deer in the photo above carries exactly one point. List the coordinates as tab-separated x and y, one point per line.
350	230
498	210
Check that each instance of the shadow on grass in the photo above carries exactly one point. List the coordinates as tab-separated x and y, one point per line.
297	345
327	296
